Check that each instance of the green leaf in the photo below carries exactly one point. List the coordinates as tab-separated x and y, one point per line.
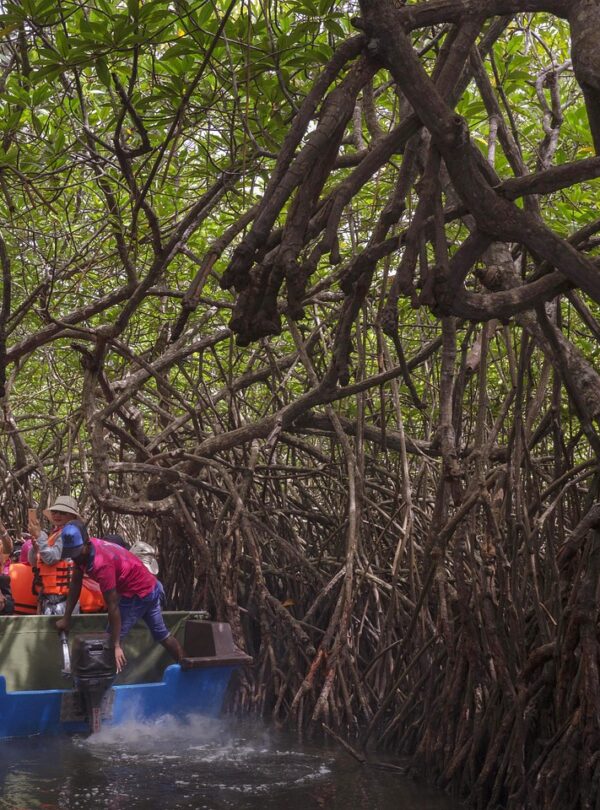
61	42
13	119
37	124
179	49
85	28
47	72
133	7
45	11
40	94
151	9
205	14
334	27
59	141
323	51
103	72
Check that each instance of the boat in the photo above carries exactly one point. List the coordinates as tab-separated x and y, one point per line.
49	688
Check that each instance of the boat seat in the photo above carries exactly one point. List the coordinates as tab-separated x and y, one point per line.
210	644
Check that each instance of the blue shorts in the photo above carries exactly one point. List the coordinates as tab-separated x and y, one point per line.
147	608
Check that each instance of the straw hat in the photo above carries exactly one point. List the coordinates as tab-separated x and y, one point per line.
64	503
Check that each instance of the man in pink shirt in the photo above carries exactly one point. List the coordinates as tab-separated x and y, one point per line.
130	591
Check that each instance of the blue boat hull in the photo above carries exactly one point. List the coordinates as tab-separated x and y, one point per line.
180	693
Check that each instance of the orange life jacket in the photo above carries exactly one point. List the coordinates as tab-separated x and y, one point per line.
21	586
91	599
54	579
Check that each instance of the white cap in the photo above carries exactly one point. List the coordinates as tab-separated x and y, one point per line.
147	555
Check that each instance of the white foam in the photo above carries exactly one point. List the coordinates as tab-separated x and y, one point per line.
145	734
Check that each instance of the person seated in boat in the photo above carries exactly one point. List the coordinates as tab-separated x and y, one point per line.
142	550
21	549
147	555
23	589
53	574
130	591
117	539
20	576
6	600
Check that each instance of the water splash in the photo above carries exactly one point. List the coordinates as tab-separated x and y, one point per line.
147	734
228	757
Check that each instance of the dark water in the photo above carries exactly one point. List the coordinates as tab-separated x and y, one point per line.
200	764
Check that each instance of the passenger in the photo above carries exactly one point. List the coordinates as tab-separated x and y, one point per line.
142	550
130	591
24	549
23	588
24	594
147	555
16	550
117	539
53	573
91	599
6	600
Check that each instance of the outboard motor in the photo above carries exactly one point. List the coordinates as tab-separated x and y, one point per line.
94	669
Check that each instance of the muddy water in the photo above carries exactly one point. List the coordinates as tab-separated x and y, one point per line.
200	764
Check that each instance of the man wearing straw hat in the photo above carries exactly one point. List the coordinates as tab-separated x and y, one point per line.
53	573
